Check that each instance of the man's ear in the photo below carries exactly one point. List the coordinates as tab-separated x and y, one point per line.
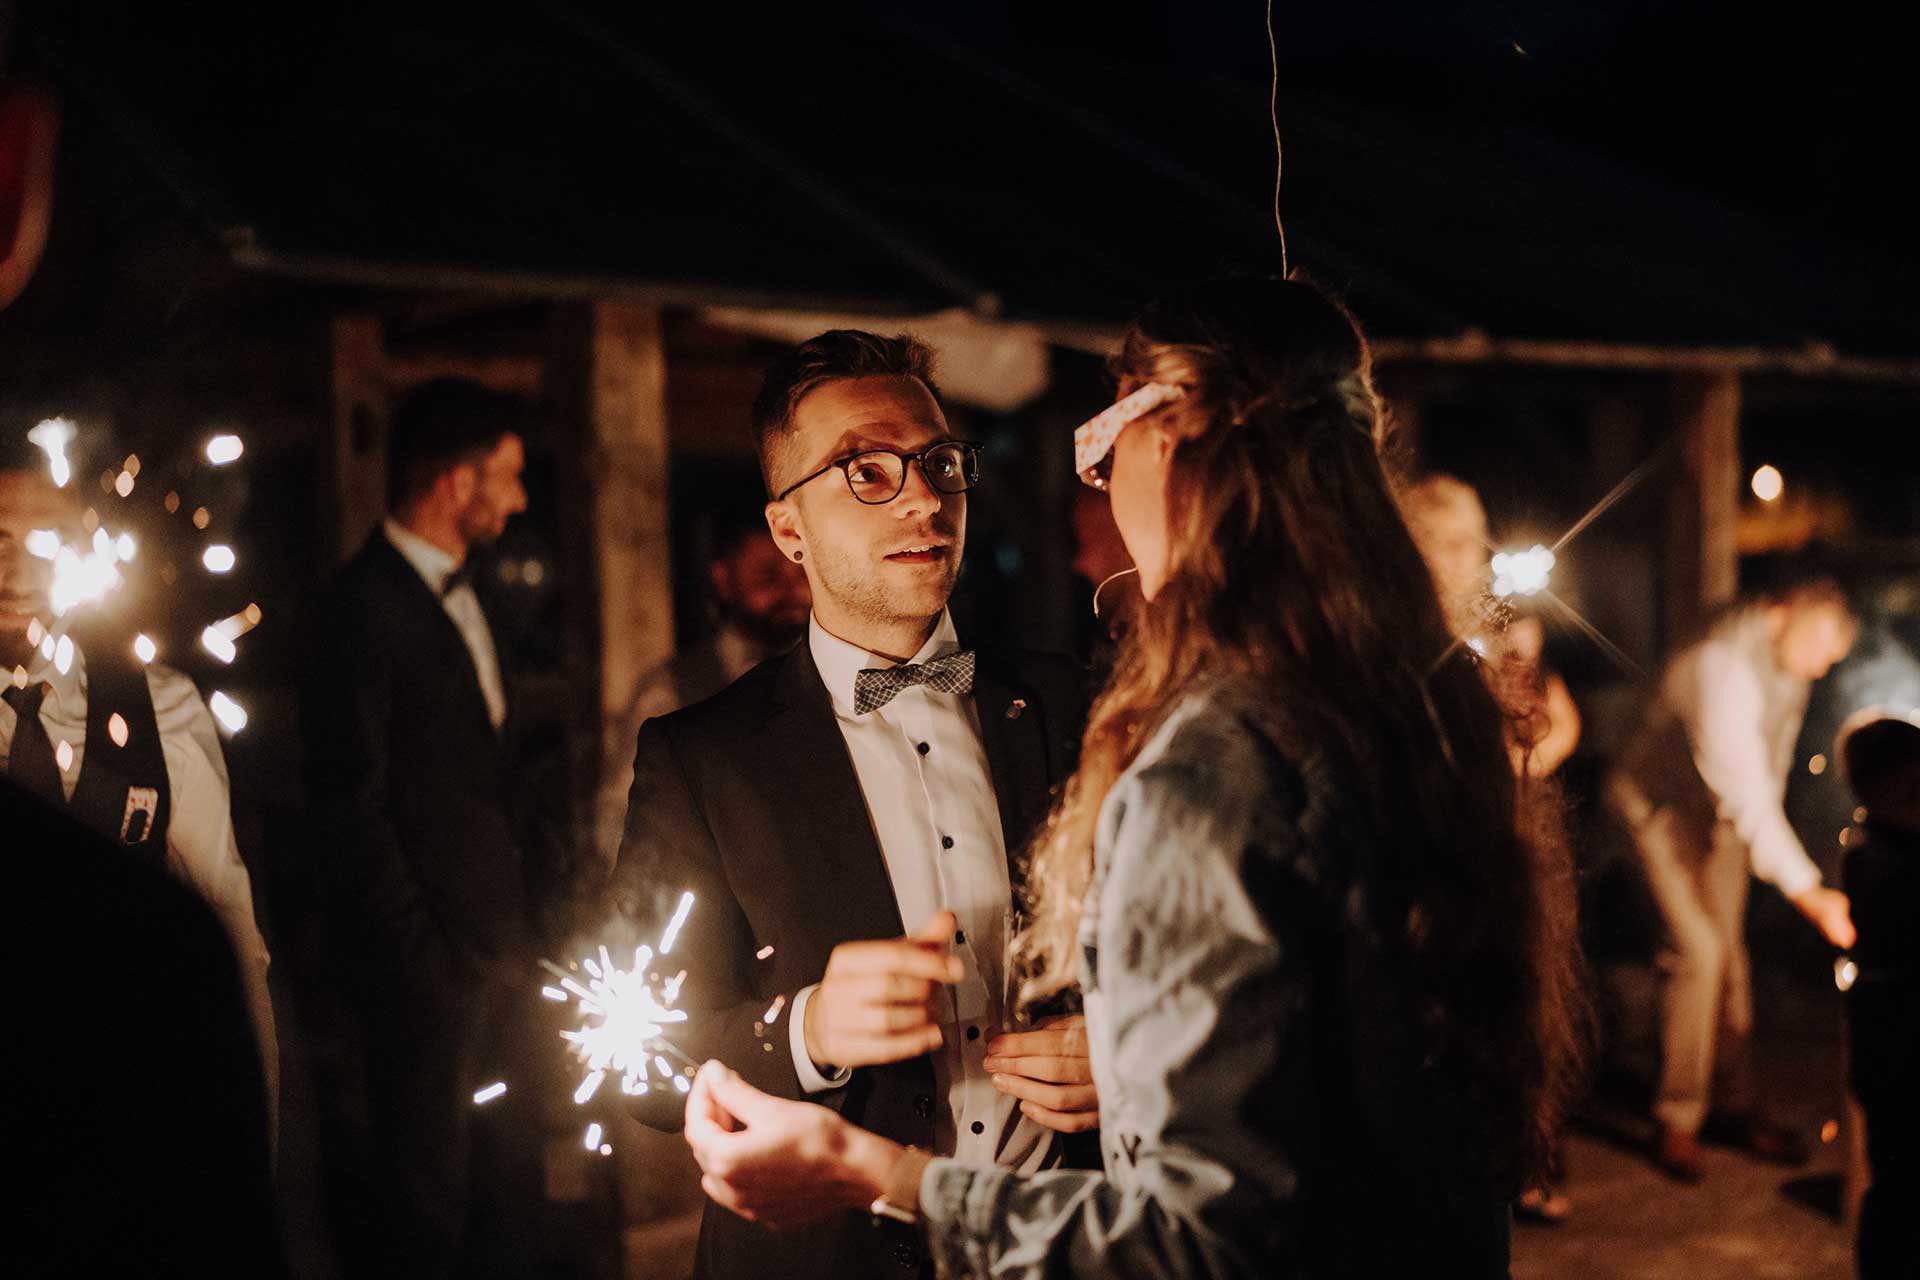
783	522
462	482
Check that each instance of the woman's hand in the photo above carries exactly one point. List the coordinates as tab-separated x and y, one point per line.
780	1163
1047	1068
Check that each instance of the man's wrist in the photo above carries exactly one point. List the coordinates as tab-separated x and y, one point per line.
813	1078
887	1175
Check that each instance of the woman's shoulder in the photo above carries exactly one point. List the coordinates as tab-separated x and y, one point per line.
1220	760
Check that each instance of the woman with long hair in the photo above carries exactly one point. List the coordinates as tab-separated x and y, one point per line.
1327	972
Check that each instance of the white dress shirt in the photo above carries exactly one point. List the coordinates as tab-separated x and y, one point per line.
463	606
1742	715
929	792
201	850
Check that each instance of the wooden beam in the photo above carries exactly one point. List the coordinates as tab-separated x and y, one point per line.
1703	560
522	375
360	415
1814	360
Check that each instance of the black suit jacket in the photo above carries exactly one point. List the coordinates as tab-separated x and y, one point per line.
408	786
751	800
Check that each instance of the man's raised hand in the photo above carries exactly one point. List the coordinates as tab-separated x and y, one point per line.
881	1001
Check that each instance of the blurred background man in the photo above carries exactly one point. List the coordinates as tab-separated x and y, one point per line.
130	752
757	601
411	790
1700	787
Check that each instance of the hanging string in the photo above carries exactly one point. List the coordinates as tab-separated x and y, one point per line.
1279	154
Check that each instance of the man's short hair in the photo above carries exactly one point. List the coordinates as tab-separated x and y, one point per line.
443	424
1876	753
1813	591
833	356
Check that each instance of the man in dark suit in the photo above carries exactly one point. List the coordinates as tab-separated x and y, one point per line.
405	721
874	779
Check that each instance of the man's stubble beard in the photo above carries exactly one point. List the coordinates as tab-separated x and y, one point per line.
863	596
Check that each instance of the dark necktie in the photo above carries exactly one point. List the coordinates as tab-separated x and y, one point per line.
30	760
456	579
873	689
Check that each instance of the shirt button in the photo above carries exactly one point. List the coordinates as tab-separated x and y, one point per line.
978	1127
922	747
946	842
960	937
973	1033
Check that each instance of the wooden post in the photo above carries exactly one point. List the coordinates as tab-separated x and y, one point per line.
360	414
1703	562
627	425
610	389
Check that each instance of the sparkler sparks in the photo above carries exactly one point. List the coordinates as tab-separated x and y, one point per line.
489	1093
673	925
624	1016
53	436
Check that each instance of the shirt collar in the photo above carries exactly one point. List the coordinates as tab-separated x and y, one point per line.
64	692
432	564
840	661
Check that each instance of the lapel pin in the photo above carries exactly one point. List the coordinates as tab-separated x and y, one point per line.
1019	705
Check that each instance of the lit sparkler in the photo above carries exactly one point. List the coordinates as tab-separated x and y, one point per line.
625	1012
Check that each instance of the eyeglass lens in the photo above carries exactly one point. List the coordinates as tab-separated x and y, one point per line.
879	476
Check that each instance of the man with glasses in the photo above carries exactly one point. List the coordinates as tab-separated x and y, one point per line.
875	779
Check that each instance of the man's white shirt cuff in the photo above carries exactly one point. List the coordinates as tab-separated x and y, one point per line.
810	1078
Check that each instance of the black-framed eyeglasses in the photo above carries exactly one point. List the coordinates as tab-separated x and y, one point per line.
876	476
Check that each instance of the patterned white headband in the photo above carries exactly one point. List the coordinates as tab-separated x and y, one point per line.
1093	440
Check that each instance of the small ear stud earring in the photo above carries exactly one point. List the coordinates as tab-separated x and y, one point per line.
798	554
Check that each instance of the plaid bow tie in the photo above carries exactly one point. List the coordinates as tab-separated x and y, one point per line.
873	689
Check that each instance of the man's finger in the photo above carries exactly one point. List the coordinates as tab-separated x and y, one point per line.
909	959
705	1117
1052	1070
892	988
1061	1122
1066	1042
939	929
738	1098
888	1019
1054	1097
876	1050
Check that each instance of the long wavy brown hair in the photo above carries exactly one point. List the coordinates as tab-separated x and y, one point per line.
1290	565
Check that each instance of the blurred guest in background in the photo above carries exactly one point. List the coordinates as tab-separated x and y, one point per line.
1881	757
411	789
1450	527
758	602
141	1151
132	752
1700	787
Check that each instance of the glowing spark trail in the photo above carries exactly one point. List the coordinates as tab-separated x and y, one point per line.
489	1093
624	1017
673	925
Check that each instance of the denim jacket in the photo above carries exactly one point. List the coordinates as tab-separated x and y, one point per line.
1253	1113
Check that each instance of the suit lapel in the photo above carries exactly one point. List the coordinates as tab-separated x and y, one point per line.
1012	733
452	645
828	827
